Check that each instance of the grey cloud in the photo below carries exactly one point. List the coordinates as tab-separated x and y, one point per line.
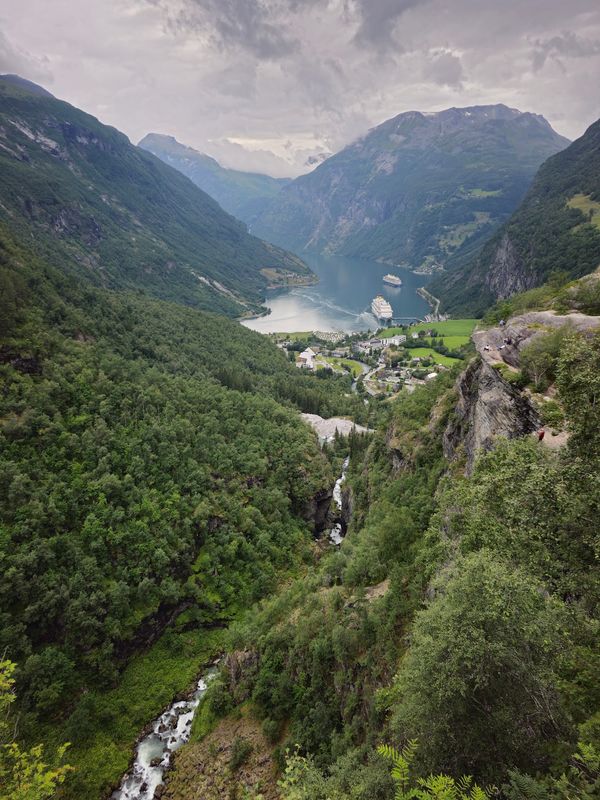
378	19
261	27
241	23
13	59
567	45
445	69
239	79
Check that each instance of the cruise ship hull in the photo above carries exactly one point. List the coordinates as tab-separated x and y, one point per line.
392	280
381	309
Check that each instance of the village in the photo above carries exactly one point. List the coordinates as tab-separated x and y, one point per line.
383	362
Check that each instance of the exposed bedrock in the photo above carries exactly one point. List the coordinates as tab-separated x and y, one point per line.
487	407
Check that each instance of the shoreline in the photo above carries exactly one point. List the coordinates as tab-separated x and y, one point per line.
306	280
434	302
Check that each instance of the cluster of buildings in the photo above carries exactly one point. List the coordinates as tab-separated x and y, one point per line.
385	374
369	347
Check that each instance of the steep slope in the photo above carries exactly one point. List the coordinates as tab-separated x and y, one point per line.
155	476
420	189
89	199
405	631
556	228
243	194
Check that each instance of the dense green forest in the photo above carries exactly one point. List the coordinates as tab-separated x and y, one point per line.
154	471
554	230
460	612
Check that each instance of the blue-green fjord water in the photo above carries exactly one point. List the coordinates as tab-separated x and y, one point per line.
342	298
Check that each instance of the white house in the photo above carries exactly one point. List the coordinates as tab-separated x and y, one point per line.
306	359
398	339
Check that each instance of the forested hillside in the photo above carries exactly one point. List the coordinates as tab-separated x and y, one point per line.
555	230
458	621
155	472
422	189
243	194
85	197
159	495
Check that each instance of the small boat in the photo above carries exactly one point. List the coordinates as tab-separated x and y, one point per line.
381	309
392	280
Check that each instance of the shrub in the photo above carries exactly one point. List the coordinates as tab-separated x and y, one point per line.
240	752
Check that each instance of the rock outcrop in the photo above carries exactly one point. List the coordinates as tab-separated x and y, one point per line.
507	274
316	510
487	407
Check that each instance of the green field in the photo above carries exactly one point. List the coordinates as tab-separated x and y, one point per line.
590	207
347	363
483	193
423	352
455	332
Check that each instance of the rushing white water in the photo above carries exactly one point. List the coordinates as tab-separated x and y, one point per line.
154	751
335	534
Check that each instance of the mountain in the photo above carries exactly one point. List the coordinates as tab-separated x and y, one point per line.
156	474
87	197
419	190
25	85
555	229
243	194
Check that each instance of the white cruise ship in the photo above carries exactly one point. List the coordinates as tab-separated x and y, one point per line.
392	280
381	309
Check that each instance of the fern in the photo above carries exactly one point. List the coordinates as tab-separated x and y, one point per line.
435	787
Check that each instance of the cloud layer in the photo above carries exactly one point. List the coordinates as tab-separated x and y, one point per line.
271	85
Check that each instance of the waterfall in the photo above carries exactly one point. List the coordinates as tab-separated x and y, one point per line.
335	534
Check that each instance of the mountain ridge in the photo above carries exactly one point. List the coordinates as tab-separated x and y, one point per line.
242	194
417	190
120	214
555	229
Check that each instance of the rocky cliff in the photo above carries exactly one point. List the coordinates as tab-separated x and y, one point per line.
487	407
555	229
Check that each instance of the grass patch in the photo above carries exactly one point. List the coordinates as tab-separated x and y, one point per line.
483	193
451	327
104	726
456	234
455	332
589	207
347	363
427	352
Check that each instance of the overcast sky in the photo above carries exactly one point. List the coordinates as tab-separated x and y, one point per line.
270	84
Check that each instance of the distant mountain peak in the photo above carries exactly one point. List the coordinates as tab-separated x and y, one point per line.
116	214
163	144
243	194
417	190
25	85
